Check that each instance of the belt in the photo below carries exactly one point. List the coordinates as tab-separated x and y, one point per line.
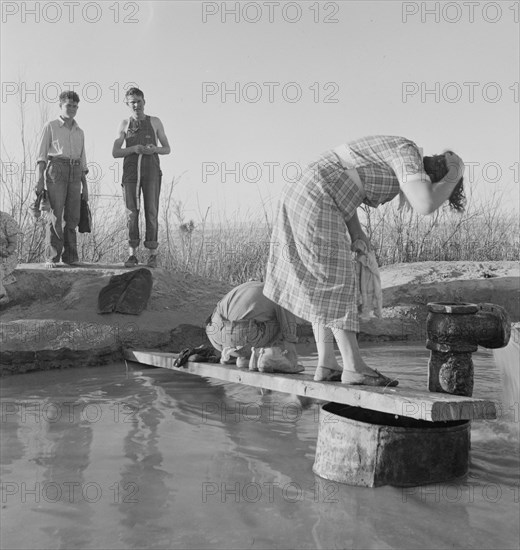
61	160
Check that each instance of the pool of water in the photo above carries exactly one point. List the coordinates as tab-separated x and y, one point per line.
137	457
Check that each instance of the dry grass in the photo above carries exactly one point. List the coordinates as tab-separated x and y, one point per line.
485	231
234	250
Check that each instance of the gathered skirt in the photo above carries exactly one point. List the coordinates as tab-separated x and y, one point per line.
310	269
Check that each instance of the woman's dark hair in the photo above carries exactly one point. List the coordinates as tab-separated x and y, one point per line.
436	169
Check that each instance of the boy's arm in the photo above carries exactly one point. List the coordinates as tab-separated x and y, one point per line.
161	136
84	168
84	186
45	142
118	151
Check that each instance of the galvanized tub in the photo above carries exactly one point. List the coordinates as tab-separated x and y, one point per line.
370	448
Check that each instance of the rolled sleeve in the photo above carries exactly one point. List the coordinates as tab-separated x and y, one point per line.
45	143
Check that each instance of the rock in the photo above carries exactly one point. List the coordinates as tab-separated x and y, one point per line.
408	288
52	319
126	293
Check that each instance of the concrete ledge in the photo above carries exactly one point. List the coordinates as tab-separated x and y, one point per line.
52	319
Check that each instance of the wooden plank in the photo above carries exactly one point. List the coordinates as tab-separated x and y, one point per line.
409	402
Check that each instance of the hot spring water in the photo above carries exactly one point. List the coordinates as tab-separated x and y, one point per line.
114	457
508	362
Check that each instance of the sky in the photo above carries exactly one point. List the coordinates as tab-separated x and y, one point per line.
249	92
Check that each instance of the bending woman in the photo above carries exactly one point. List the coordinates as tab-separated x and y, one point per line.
310	271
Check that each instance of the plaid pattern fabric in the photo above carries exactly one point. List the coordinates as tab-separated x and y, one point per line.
310	269
382	162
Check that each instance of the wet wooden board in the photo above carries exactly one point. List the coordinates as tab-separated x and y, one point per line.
408	402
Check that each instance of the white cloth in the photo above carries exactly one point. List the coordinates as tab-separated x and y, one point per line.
57	140
368	282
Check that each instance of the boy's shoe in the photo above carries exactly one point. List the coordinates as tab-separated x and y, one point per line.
73	263
152	260
132	261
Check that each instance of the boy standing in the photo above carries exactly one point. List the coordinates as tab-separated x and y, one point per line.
62	168
141	171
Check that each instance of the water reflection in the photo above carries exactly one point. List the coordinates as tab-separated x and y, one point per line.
53	443
184	462
144	496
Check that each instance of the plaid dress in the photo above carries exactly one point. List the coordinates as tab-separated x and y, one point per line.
310	270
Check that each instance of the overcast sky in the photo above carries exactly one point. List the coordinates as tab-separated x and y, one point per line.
249	92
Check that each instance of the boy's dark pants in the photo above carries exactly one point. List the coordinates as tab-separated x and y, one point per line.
151	189
63	181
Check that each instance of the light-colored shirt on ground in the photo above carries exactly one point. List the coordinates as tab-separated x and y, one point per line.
57	140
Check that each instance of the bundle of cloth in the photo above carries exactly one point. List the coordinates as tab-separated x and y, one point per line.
370	298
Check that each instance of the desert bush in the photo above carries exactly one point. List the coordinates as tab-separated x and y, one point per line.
227	248
235	250
485	231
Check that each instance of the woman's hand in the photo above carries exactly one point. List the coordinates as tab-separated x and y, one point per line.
356	233
40	186
360	243
455	164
